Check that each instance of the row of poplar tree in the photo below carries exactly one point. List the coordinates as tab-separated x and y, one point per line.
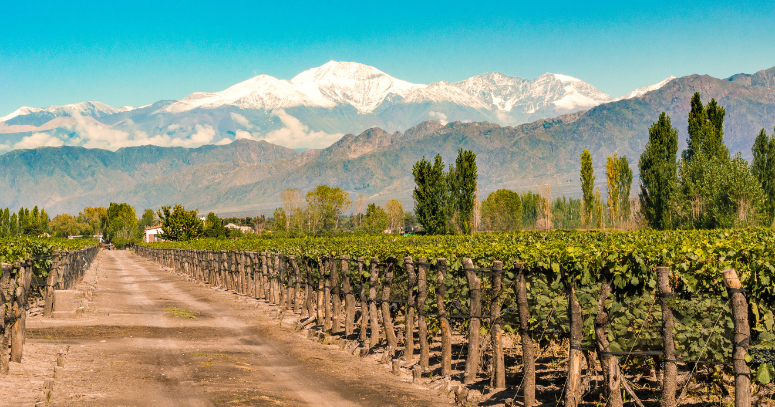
26	222
704	187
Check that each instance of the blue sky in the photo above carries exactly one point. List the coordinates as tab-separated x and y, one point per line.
135	53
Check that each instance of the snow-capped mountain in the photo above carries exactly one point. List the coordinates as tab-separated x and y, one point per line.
311	110
642	91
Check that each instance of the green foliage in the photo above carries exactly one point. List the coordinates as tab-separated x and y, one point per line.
375	220
179	224
763	168
502	211
566	213
530	206
280	220
658	174
121	221
706	131
26	223
587	185
431	195
19	249
326	205
462	187
215	227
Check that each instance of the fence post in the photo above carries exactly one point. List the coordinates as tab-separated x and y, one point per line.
297	286
742	338
50	283
364	305
373	278
387	319
6	294
475	310
446	330
328	326
528	348
498	378
17	331
609	363
422	295
309	290
410	309
349	298
575	355
336	299
668	358
320	307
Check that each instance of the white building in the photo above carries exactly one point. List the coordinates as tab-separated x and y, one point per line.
151	234
243	229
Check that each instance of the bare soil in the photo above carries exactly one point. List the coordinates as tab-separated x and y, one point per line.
130	349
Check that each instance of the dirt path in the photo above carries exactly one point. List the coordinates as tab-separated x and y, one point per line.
130	351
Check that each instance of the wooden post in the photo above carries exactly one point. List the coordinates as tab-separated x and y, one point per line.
308	290
282	282
265	276
297	305
474	287
528	349
349	298
373	278
669	385
50	283
742	338
422	295
327	295
277	270
609	363
498	378
446	330
19	312
336	302
320	293
575	355
290	286
387	320
363	334
410	310
5	310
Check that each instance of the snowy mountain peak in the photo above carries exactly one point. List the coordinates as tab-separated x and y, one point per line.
88	108
564	78
642	91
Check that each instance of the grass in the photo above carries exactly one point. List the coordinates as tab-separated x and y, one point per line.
180	312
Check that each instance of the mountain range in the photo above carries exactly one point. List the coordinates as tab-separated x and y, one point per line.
312	110
246	176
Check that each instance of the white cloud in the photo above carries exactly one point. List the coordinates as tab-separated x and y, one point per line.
5	146
442	118
203	134
240	119
294	134
38	140
239	134
224	141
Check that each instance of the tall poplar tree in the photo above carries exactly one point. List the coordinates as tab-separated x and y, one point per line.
624	180
431	195
658	174
763	168
587	185
462	186
612	182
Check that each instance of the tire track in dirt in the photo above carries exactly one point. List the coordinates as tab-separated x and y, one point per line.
129	351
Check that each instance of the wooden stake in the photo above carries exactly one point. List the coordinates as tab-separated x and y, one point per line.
446	330
474	288
373	278
610	363
349	298
387	319
498	378
364	305
742	338
528	348
422	295
336	298
669	385
410	310
575	355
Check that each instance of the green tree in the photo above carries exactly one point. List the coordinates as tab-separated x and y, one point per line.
376	219
65	225
462	187
658	174
13	229
530	207
612	182
215	226
624	182
280	220
179	224
121	222
327	204
706	131
96	218
44	220
431	195
587	185
502	211
763	168
566	213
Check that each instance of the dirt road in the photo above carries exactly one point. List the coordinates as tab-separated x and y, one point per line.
136	347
